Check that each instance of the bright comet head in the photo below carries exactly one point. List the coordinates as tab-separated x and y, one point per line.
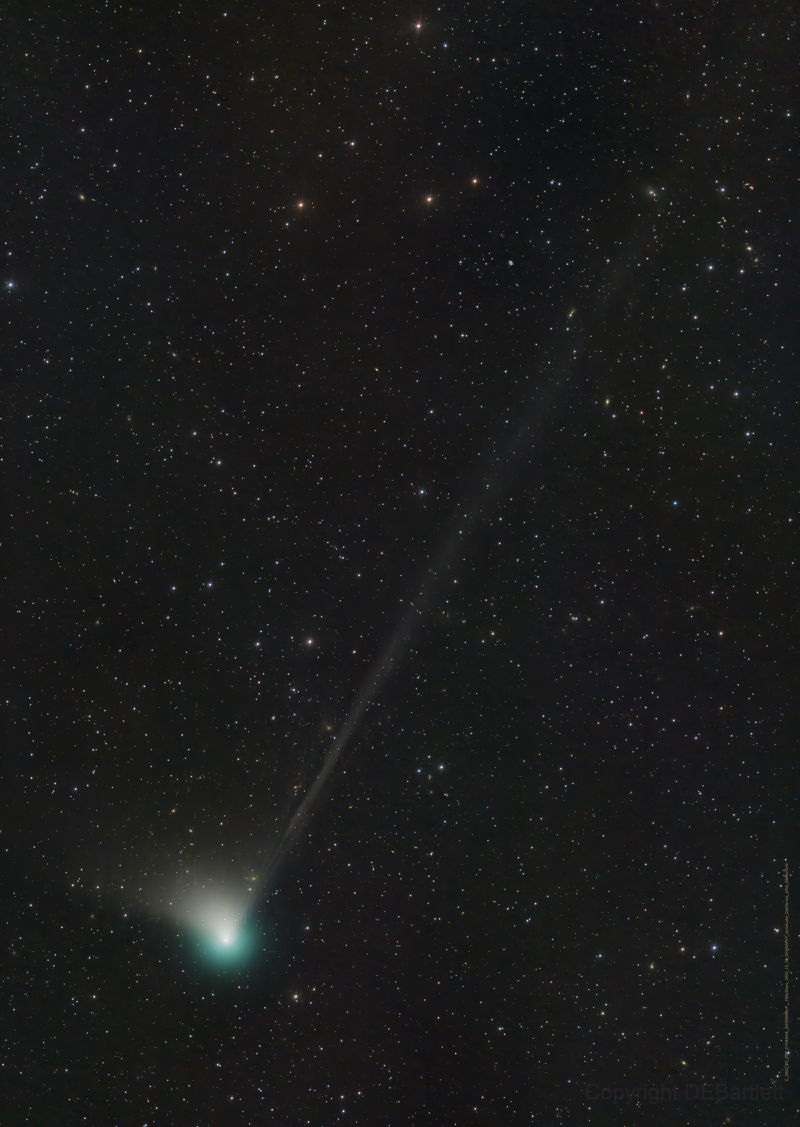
218	917
227	941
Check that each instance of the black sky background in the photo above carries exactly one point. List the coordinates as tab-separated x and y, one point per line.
554	854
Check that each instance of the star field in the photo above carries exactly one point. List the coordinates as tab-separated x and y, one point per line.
464	335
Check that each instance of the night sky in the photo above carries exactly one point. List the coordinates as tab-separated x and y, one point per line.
441	360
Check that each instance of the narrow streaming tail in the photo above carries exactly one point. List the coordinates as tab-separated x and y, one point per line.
450	549
466	519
